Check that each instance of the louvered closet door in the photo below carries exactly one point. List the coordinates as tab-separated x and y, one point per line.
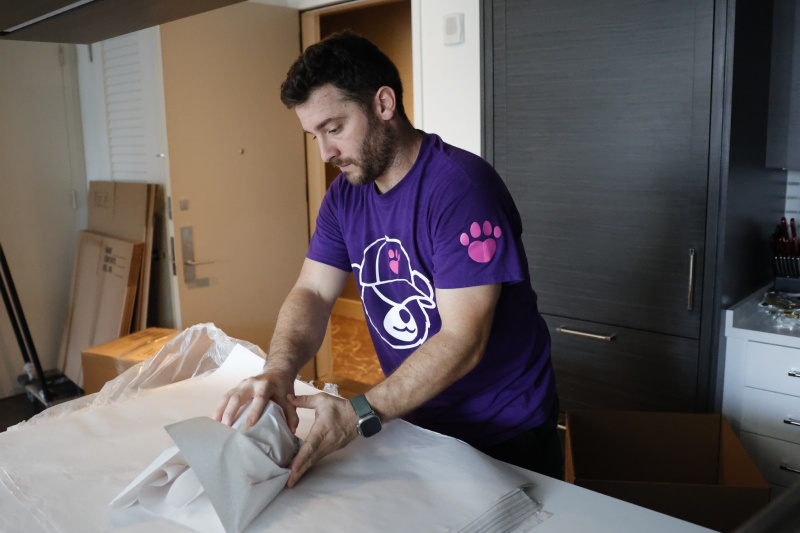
122	108
134	121
601	122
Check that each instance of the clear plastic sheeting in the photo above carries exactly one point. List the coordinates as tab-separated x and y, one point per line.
194	352
782	307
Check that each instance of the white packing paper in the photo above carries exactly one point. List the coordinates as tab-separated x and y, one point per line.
236	470
58	476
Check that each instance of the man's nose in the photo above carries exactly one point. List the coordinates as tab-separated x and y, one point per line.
327	149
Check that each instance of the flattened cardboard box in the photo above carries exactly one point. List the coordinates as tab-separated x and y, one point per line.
125	210
687	465
104	284
104	362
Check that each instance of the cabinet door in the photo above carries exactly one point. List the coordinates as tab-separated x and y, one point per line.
601	130
636	371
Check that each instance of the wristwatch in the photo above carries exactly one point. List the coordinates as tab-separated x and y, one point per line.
368	422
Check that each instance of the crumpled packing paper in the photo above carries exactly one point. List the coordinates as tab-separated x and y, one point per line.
238	470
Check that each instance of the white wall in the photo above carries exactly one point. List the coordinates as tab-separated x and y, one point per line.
41	172
793	194
447	78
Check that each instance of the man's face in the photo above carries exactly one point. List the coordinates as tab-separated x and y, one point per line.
349	137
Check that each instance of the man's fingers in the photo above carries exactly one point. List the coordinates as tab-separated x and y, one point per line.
292	420
256	410
235	401
306	402
292	403
305	458
309	453
221	406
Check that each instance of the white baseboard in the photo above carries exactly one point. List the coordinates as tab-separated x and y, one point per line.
348	308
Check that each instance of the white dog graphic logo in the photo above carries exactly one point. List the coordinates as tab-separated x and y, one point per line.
396	297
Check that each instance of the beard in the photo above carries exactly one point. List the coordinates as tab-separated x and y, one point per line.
378	150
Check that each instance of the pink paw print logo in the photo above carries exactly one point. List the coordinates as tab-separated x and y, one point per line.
481	251
394	261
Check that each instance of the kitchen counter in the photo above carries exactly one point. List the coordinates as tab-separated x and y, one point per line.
761	391
747	320
60	474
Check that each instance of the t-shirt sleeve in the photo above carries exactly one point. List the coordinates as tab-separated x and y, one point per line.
477	237
327	243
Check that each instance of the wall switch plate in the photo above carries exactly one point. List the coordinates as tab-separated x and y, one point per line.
453	29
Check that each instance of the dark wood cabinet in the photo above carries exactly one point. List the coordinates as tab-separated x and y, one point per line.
607	120
606	151
783	139
635	370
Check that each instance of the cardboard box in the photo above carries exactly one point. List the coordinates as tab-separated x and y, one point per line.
104	283
125	210
104	362
690	466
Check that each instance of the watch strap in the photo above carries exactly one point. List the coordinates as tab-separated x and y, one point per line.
361	405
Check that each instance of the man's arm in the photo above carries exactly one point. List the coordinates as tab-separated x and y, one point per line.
298	334
444	358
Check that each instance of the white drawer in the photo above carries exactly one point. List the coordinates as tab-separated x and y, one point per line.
771	414
770	367
773	457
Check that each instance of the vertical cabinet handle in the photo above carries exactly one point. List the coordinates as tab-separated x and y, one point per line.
690	302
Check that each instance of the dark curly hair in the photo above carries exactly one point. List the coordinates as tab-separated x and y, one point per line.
347	61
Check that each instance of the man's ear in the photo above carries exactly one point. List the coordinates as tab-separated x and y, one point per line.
385	103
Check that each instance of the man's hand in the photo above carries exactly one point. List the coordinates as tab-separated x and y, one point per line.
270	385
333	428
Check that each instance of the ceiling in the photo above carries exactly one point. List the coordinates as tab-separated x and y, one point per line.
90	21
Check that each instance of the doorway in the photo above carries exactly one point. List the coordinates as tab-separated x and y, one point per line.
350	360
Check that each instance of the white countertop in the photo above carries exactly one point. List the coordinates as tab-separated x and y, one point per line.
746	320
60	474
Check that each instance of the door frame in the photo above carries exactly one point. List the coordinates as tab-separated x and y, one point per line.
315	168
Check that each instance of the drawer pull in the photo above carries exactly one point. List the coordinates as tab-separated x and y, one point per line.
792	422
789	469
607	338
794	374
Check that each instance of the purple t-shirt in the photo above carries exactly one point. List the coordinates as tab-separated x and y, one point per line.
449	223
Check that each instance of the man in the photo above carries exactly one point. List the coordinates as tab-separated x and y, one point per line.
434	240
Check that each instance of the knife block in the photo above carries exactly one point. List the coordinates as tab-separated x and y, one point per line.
783	284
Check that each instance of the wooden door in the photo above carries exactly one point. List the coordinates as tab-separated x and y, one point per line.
387	23
601	122
237	169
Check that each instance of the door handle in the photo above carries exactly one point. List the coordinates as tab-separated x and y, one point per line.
690	303
794	374
791	421
189	264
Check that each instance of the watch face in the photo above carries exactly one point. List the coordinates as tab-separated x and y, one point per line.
369	425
